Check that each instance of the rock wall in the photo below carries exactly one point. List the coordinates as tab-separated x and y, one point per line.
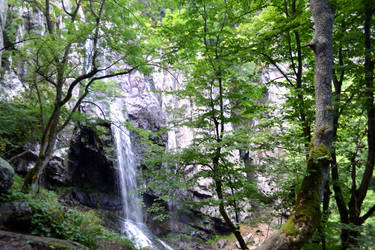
3	10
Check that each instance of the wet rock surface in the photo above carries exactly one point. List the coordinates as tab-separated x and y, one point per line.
6	176
94	199
15	215
24	162
55	174
91	162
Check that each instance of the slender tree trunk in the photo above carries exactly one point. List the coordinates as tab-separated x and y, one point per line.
305	217
358	195
47	146
220	194
235	229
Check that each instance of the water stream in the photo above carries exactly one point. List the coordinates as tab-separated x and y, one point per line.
133	225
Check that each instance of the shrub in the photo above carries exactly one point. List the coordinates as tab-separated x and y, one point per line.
51	219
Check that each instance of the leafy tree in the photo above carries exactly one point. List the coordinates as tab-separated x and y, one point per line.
200	39
18	125
349	100
99	40
305	216
353	82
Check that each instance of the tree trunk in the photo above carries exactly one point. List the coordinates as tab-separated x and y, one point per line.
219	190
235	229
358	195
305	217
47	146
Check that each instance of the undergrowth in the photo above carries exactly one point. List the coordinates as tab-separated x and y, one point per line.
51	219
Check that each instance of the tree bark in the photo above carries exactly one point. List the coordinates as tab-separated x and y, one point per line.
305	217
47	146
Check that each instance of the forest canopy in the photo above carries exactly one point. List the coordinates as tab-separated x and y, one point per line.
282	90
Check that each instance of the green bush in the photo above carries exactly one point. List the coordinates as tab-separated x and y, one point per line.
51	219
19	124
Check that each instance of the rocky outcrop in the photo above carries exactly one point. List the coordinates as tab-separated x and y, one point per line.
94	199
16	215
15	241
24	162
2	25
6	176
55	174
91	168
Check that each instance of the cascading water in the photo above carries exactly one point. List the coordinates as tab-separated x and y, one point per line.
133	217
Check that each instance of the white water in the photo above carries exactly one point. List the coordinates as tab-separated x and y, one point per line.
133	225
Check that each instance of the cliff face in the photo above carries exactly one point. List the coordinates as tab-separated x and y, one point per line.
2	25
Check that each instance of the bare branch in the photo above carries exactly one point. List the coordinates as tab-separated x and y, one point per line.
96	105
367	215
42	121
86	92
278	68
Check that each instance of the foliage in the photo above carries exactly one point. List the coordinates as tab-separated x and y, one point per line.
51	219
222	47
19	125
78	45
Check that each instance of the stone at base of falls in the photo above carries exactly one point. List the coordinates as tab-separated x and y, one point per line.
15	241
93	199
15	215
6	176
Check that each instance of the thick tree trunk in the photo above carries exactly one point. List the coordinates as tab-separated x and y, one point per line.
305	217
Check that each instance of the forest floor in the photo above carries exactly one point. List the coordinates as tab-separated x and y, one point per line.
254	235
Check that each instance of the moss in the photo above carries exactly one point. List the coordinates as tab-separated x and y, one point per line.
59	245
289	228
322	151
323	129
306	214
319	152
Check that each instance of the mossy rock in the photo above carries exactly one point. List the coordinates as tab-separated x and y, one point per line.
6	175
23	241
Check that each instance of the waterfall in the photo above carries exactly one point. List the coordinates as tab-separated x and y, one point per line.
133	225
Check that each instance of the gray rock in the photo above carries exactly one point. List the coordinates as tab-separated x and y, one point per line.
222	243
14	245
10	241
2	24
6	176
96	199
56	173
91	162
249	239
25	162
16	215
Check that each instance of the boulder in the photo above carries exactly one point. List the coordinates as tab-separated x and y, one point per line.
10	241
25	161
92	169
56	173
6	176
16	215
222	243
